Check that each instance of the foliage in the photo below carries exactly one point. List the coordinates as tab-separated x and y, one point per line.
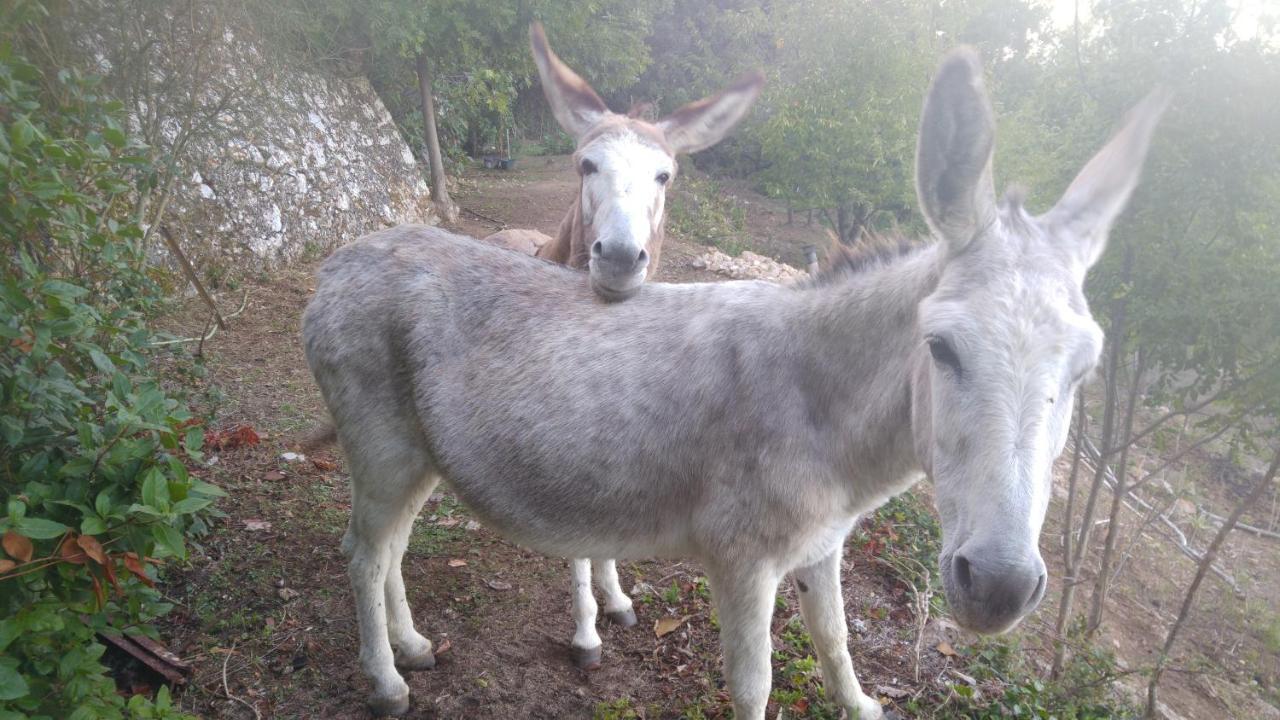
1001	664
700	211
92	450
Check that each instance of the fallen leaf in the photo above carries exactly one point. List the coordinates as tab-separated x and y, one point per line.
445	646
945	648
457	562
324	464
448	522
498	585
92	548
287	594
18	547
254	525
135	566
966	679
233	437
667	625
273	475
892	692
7	565
801	705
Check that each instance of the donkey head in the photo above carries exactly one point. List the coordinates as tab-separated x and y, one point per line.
626	164
1007	337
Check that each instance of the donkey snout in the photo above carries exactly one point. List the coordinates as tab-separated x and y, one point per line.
991	594
617	268
621	257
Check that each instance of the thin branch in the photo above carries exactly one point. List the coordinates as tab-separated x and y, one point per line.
1212	552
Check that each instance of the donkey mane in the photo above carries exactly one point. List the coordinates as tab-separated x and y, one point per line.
879	248
875	251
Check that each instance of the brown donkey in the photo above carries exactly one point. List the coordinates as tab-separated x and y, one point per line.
614	226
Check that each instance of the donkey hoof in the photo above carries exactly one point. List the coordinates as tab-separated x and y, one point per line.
389	705
587	658
623	618
422	661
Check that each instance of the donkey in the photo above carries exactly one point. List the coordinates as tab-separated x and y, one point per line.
614	226
745	424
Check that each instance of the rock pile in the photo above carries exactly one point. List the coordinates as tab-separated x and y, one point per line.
747	266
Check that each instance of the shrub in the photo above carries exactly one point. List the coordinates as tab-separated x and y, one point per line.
93	451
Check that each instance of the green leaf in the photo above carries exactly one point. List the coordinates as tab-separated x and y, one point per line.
63	290
101	361
191	505
194	439
39	528
168	541
155	489
12	684
93	525
204	488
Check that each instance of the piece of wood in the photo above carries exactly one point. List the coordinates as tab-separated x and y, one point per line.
192	277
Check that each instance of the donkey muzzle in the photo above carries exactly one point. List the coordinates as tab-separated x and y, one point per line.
990	589
617	269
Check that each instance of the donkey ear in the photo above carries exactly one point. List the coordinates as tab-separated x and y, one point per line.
704	123
953	157
576	106
1098	194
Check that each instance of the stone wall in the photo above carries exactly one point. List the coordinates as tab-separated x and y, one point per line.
278	157
322	164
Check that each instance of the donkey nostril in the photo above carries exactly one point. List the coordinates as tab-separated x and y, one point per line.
1038	592
597	248
643	257
961	565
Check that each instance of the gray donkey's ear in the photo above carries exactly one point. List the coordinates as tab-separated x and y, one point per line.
576	106
1099	193
953	156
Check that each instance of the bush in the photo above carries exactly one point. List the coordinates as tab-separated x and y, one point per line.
700	211
93	451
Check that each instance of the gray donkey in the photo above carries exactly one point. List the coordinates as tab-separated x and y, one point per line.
745	424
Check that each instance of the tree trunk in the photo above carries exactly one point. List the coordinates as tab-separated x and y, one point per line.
439	184
1102	584
1070	567
1205	563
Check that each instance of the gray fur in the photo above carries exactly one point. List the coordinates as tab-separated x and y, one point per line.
744	424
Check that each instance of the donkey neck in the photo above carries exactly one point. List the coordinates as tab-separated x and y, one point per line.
865	342
569	247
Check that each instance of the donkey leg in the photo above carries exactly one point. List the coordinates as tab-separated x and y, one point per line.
412	651
617	606
586	642
368	542
744	599
822	605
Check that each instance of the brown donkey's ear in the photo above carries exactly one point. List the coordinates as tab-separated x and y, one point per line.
576	106
1099	193
704	123
953	153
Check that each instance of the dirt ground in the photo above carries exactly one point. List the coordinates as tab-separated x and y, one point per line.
264	610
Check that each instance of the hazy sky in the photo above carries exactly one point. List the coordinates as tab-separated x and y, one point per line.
1248	13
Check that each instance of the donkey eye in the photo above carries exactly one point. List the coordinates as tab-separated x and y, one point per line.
943	354
663	178
587	167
